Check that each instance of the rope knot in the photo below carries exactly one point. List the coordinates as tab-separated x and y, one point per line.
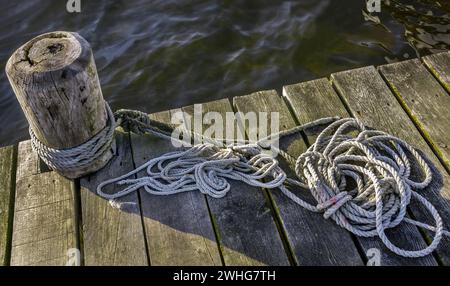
132	120
140	123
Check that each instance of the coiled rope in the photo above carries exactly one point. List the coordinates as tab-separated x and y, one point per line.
362	182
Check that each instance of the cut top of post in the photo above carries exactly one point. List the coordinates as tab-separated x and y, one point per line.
43	53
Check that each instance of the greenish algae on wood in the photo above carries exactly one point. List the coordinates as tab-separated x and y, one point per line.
425	101
439	65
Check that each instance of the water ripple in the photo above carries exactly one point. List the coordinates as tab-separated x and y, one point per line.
161	54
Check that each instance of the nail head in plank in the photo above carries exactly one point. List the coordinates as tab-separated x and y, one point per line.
247	232
371	101
314	240
320	94
7	174
425	100
112	231
44	217
178	227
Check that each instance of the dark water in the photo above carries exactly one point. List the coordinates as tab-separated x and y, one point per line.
157	55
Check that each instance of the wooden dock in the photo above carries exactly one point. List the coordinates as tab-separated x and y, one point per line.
44	216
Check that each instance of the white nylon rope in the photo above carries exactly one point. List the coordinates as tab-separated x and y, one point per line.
375	162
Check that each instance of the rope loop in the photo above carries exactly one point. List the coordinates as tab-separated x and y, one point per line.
360	178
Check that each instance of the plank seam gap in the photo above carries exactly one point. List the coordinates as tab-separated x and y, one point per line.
287	247
144	233
435	75
212	219
280	227
353	237
9	236
341	98
78	220
215	230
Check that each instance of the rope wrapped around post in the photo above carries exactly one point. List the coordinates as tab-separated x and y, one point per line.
379	166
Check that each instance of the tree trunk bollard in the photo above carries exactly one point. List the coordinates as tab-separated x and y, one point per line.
55	80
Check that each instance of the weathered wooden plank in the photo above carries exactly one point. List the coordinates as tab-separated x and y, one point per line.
314	240
246	229
29	161
44	217
424	100
371	101
439	65
316	99
7	189
112	232
178	227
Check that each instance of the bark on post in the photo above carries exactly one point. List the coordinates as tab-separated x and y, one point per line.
55	80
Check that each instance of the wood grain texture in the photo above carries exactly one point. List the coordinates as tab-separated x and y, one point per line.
425	100
178	228
314	240
246	229
370	100
44	217
439	65
112	233
316	99
7	189
55	81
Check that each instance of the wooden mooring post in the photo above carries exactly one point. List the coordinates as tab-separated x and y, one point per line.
55	80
